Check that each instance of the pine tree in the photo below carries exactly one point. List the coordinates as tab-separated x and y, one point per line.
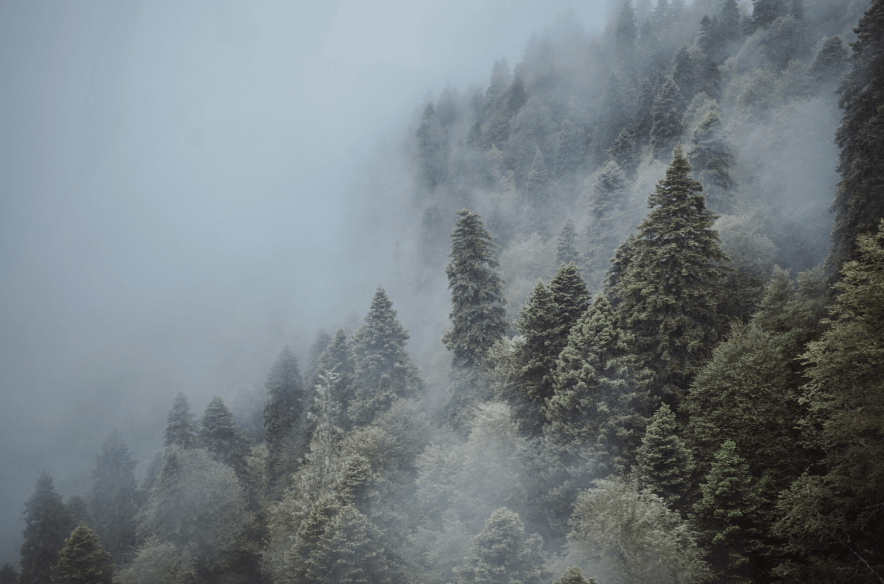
607	208
115	496
729	516
220	436
286	428
571	154
683	74
664	462
830	61
707	38
537	185
711	157
595	411
180	430
731	27
764	12
566	245
47	523
666	116
82	560
337	361
859	201
503	553
320	344
384	369
669	295
624	152
625	36
432	149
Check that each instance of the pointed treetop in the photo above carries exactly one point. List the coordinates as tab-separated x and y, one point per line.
180	428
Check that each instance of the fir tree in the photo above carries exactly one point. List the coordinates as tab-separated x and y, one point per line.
47	523
337	361
664	462
82	560
384	369
320	344
286	428
566	245
666	116
711	157
114	496
670	292
504	553
683	74
830	61
707	38
180	430
624	152
220	436
859	201
571	154
764	12
432	149
625	36
537	185
607	208
731	27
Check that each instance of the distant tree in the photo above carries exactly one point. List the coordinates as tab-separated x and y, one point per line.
8	575
220	436
607	208
797	9
160	561
666	116
764	12
47	523
432	149
625	36
624	151
616	102
566	245
830	61
78	509
320	344
384	369
82	560
731	21
537	185
571	153
504	553
180	430
670	291
711	157
114	496
707	37
859	201
661	16
664	462
286	428
684	74
336	363
574	576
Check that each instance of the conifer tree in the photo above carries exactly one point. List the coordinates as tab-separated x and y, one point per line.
859	201
504	553
337	361
220	436
180	428
830	61
566	245
624	151
115	496
537	184
47	523
384	369
286	428
571	154
595	411
683	74
607	208
711	158
625	36
432	149
8	575
670	292
731	27
82	560
574	576
729	518
664	462
666	116
764	12
320	344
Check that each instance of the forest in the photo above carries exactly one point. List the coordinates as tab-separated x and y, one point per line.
659	357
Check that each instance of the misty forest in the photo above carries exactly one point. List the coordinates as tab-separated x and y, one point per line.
651	347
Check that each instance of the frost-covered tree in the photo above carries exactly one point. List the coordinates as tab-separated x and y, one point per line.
336	363
286	427
82	560
504	553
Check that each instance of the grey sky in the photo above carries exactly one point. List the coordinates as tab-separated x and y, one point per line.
182	192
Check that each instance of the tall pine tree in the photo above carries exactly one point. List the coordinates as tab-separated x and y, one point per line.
47	524
180	428
114	496
286	427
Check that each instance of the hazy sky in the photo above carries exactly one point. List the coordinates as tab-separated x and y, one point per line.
183	191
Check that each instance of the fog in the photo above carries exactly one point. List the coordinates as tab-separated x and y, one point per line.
187	188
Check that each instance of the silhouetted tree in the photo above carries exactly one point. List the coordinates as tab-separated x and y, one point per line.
114	496
286	428
180	428
47	523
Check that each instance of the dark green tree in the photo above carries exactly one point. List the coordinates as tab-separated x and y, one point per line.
729	518
504	553
566	245
47	523
180	428
664	462
114	496
859	201
286	427
670	292
82	560
384	369
220	436
666	116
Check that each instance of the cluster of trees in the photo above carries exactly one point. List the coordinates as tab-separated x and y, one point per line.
667	406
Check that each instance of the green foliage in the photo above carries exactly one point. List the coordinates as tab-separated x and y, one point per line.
47	524
504	553
384	369
859	202
114	496
574	576
711	158
669	294
286	427
664	462
180	428
667	115
82	560
635	531
160	561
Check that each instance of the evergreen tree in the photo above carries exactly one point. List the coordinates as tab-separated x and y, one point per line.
574	576
669	295
859	202
320	344
537	185
711	157
625	36
833	518
729	516
384	369
571	154
731	26
432	149
830	61
504	553
707	38
220	436
8	575
114	496
764	12
337	361
664	462
82	560
666	116
607	208
797	9
595	411
683	74
566	245
180	430
286	428
624	152
47	523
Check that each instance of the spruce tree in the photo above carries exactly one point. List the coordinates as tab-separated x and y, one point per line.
384	369
711	158
830	61
859	201
731	28
607	208
670	292
764	12
82	560
180	428
566	245
537	185
504	553
571	153
666	116
286	428
664	462
624	151
114	496
47	524
220	436
336	364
